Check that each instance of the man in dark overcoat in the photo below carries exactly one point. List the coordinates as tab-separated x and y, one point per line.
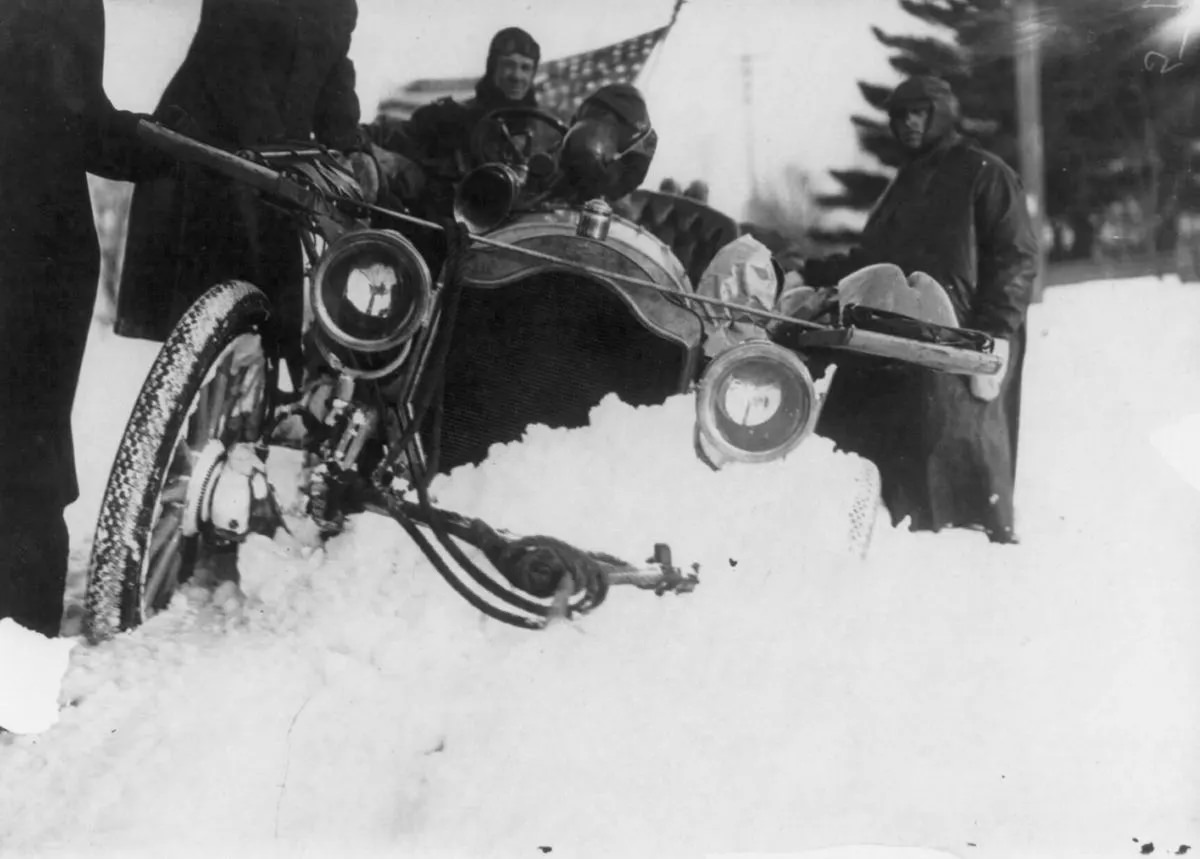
945	445
257	72
56	125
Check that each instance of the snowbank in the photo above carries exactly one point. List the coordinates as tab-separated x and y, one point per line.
943	694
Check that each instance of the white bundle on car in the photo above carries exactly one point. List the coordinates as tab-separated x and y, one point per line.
745	273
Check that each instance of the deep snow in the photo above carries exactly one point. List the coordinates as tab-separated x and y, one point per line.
945	693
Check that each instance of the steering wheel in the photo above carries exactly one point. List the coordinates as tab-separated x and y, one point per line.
499	136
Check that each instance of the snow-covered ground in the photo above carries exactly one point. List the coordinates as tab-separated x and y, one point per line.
1036	700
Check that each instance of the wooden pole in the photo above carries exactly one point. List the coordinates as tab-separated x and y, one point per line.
1026	45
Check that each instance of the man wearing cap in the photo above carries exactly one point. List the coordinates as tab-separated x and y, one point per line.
945	445
437	137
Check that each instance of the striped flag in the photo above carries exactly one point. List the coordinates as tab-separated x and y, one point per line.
562	84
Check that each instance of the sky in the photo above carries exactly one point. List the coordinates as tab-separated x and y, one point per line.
941	695
805	60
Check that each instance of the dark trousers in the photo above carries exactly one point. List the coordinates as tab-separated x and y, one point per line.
33	570
45	314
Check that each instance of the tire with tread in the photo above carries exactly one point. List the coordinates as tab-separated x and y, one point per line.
114	588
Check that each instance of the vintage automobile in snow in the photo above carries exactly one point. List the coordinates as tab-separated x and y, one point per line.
539	302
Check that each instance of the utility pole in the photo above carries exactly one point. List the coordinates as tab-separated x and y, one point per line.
1027	51
748	104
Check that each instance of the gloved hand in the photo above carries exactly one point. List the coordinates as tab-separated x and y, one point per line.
402	176
825	271
791	279
365	170
174	117
123	123
987	388
806	302
150	162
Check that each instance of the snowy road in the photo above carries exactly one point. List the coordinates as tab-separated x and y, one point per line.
947	694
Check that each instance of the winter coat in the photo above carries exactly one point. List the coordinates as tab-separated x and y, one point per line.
56	124
257	72
947	459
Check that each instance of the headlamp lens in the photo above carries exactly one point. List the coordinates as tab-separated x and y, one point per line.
371	292
756	403
371	289
751	403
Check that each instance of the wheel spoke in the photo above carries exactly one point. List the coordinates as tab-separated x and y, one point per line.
175	489
181	461
169	520
199	419
253	418
245	405
165	560
218	400
248	402
209	399
225	427
229	405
